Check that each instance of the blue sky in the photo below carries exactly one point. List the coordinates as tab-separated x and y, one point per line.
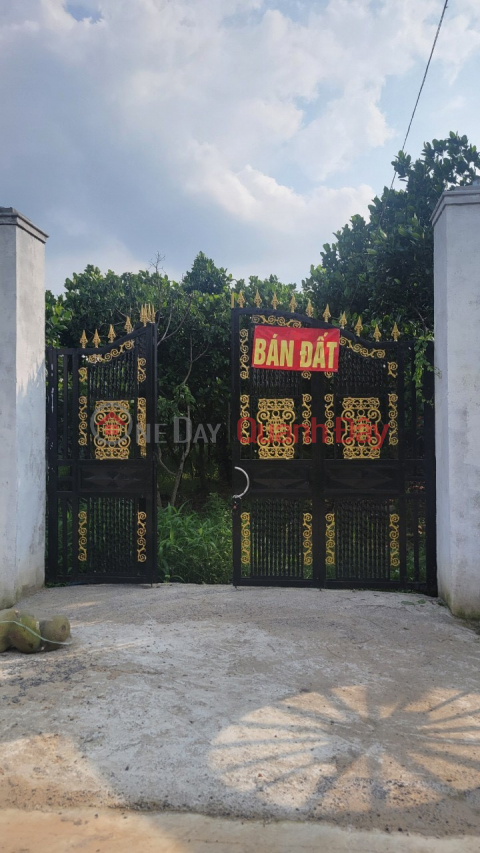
248	129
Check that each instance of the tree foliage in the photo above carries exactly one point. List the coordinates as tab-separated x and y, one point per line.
383	269
95	300
194	347
57	320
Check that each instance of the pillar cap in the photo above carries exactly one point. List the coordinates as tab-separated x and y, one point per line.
459	195
10	216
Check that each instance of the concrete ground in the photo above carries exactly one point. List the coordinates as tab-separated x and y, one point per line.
354	716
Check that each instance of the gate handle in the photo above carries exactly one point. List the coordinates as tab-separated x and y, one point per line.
242	495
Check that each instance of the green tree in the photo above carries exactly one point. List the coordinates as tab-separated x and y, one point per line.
205	277
96	300
57	319
267	289
194	350
383	269
194	347
194	382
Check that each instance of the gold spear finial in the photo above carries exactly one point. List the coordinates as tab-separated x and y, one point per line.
326	314
128	326
83	340
343	320
111	334
376	333
143	315
395	332
241	299
152	314
258	299
274	302
309	309
232	299
96	339
358	327
293	303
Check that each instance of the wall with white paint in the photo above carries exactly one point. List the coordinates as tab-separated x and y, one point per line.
457	397
22	406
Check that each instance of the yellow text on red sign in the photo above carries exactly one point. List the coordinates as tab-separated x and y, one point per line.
296	349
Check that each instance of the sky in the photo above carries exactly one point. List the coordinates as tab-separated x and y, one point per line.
250	130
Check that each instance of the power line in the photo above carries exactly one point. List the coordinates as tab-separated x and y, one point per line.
423	81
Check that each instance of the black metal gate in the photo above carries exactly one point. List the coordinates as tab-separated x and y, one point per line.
101	463
330	509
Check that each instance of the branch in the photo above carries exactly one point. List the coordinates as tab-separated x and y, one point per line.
190	366
422	318
165	336
202	353
155	264
162	463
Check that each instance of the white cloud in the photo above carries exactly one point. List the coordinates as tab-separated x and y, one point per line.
107	254
186	124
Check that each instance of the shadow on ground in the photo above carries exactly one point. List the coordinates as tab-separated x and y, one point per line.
355	709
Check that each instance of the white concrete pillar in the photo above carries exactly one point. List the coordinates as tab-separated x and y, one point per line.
22	406
456	222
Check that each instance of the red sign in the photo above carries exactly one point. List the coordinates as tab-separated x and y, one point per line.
296	349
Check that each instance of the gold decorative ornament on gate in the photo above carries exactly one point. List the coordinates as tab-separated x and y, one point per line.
330	538
361	350
142	425
96	358
111	422
276	321
359	415
141	537
244	357
82	421
394	536
393	416
329	418
244	414
307	539
245	538
141	370
82	536
307	418
276	419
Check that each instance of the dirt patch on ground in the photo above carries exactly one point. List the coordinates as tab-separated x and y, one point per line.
359	709
100	831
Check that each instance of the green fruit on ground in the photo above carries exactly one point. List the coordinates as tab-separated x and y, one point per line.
55	632
25	636
6	617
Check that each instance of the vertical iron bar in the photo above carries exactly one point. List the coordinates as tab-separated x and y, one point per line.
235	445
52	467
416	544
317	483
401	465
66	359
430	483
413	391
236	542
152	455
64	504
75	502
